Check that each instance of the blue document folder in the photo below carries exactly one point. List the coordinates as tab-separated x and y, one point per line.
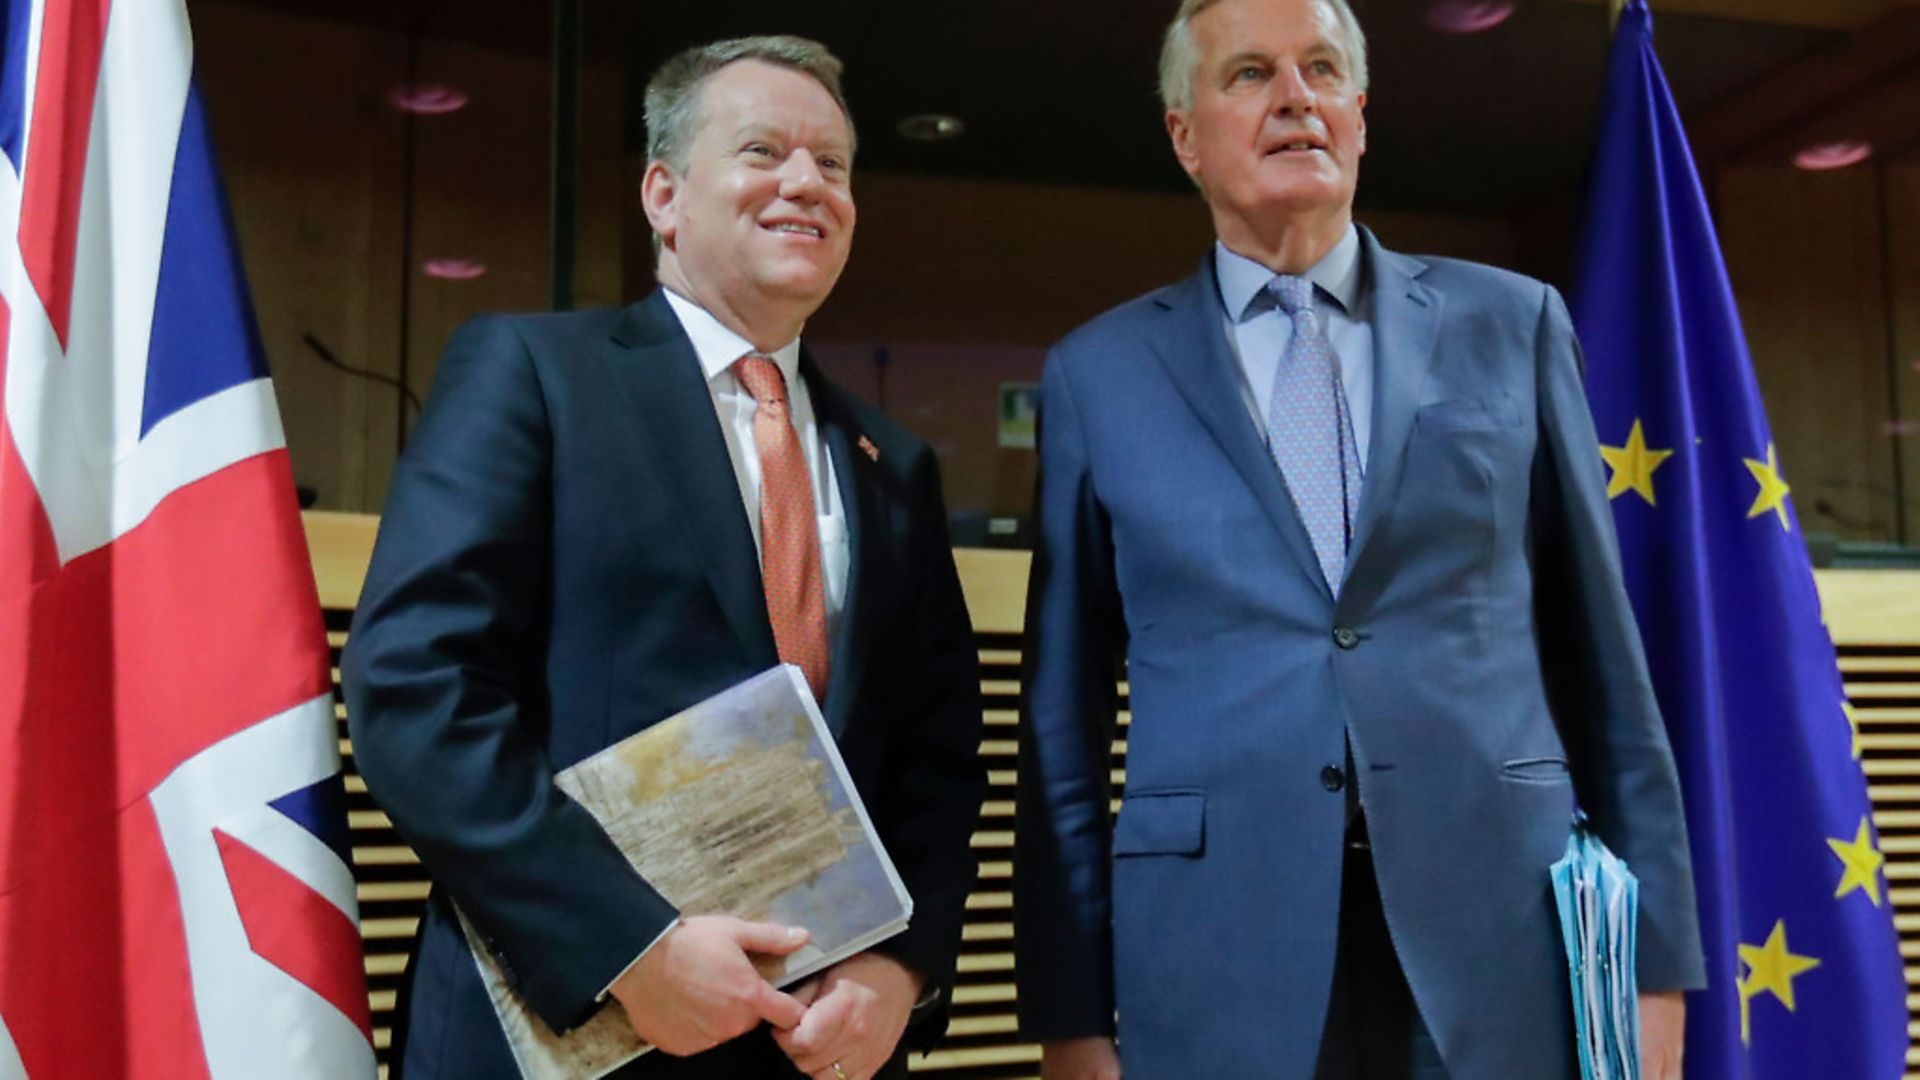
1599	901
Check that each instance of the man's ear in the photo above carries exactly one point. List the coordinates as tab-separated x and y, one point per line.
1361	101
659	195
1180	132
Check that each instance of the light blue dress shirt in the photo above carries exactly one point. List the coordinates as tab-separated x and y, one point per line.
1259	331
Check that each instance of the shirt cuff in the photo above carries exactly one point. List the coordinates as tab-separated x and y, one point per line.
608	989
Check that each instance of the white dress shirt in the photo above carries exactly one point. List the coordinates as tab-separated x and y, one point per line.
718	349
1259	331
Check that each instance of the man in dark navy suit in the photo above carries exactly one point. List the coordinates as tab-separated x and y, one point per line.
605	517
1340	512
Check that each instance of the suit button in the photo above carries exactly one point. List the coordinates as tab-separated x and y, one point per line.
1332	778
1345	637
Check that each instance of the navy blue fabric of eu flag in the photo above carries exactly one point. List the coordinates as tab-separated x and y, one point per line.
1804	963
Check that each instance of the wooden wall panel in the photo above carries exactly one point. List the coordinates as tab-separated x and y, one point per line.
310	159
483	186
1901	198
1804	251
315	163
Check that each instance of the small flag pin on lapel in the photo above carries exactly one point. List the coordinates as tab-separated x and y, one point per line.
867	447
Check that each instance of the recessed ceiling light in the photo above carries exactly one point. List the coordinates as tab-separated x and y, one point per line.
932	127
447	268
427	99
1833	155
1468	16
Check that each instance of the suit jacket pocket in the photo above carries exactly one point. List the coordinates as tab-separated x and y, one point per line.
1161	823
1487	412
1536	770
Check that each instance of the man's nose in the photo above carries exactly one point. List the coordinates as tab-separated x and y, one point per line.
1291	94
800	174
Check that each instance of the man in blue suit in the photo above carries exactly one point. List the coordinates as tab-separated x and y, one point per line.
608	516
1340	512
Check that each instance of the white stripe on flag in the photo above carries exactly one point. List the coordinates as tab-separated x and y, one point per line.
11	1067
35	13
142	95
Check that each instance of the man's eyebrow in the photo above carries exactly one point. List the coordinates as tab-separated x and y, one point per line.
1246	56
758	129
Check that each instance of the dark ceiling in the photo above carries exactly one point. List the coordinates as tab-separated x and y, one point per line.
1062	91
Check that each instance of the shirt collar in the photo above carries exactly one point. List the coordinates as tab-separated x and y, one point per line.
1242	280
718	347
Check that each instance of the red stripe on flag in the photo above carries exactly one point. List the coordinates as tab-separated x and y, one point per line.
27	550
94	955
72	34
216	618
297	930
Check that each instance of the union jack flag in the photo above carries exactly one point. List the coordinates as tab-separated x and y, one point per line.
175	897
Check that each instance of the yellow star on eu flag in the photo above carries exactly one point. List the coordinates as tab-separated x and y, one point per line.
1853	724
1771	969
1773	490
1633	465
1862	863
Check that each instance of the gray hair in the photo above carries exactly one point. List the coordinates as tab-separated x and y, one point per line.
673	94
1177	60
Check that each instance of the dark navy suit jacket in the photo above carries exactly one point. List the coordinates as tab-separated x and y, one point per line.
1481	654
564	560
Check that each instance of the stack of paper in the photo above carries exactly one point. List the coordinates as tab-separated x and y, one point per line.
1599	901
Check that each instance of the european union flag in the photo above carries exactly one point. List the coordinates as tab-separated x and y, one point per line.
1806	970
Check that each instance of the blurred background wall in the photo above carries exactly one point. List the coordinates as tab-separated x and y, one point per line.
391	170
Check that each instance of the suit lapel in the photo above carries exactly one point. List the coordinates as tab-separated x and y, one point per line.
673	411
848	648
1207	378
1406	325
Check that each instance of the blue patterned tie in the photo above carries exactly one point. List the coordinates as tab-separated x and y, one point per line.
1310	431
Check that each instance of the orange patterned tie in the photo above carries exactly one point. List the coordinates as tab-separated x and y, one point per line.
789	533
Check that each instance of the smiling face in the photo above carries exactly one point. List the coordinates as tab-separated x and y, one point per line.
757	225
1276	129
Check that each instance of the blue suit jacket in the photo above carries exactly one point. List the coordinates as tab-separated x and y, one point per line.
564	560
1481	653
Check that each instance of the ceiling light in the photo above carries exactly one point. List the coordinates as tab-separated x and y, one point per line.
451	269
427	99
1833	155
932	127
1468	16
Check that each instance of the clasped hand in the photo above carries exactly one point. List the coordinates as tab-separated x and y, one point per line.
697	988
